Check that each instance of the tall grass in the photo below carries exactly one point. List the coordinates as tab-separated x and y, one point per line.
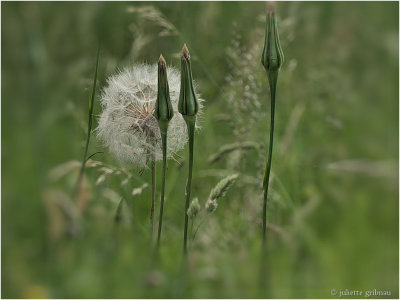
90	123
330	164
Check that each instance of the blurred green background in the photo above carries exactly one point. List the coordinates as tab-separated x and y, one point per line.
333	212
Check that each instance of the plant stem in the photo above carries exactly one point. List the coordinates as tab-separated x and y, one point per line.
272	84
198	226
164	150
82	169
90	117
153	196
190	122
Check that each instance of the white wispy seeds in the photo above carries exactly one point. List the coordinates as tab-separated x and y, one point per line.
127	125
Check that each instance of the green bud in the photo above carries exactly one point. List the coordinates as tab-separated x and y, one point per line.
188	104
163	110
272	56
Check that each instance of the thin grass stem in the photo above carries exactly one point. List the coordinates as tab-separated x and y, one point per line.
90	122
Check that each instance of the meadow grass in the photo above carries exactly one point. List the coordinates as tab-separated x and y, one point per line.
333	196
90	123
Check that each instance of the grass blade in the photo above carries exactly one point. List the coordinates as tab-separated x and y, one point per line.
90	122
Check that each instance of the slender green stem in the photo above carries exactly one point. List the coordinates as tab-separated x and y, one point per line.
190	122
90	117
153	196
82	169
272	83
164	150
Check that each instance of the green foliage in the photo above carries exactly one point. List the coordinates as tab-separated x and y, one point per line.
90	121
333	199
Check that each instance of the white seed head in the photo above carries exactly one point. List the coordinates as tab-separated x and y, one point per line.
127	125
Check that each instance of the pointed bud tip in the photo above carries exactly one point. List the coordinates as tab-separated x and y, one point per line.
271	6
185	52
272	57
163	111
161	61
188	104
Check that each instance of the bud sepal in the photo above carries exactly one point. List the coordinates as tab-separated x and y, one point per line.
163	110
272	56
188	104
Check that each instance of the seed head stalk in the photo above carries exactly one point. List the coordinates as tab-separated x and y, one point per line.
153	189
153	197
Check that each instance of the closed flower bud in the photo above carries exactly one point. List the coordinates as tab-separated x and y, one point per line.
163	110
188	104
272	56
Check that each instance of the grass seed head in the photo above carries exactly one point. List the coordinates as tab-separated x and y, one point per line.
194	208
219	191
223	186
211	206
